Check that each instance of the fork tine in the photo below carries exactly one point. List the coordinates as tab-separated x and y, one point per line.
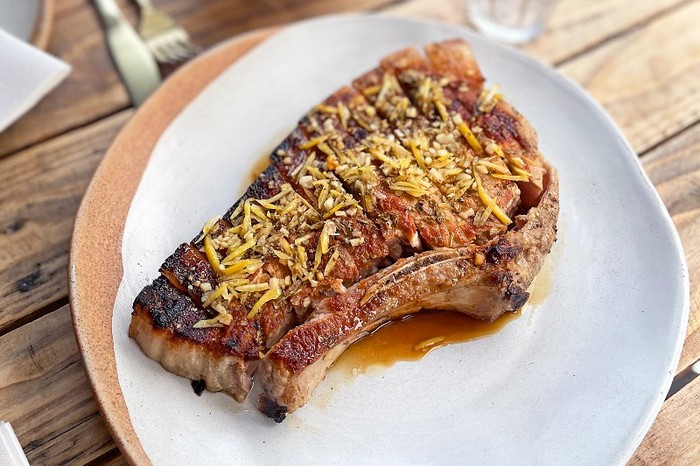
168	41
186	49
158	50
175	52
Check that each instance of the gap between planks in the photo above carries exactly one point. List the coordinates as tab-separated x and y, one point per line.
674	169
575	27
45	394
55	264
41	190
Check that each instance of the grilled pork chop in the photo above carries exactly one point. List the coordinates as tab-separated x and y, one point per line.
416	188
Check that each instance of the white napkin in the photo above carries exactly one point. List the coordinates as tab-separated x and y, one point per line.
11	453
26	75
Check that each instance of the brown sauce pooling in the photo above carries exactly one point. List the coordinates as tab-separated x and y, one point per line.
542	285
413	337
259	166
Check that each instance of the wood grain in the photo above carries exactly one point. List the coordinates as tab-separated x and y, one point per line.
112	458
640	59
45	395
95	268
41	191
674	439
648	79
674	168
575	25
93	89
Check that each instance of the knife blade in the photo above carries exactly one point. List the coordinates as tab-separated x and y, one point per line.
135	63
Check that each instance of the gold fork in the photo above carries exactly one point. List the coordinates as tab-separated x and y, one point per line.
166	39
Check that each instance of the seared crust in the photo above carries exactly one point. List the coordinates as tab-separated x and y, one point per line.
187	266
162	324
432	213
448	279
416	158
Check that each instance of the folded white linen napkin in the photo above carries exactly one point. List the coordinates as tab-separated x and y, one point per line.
11	453
26	75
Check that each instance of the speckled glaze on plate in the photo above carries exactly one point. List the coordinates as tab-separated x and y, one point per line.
577	380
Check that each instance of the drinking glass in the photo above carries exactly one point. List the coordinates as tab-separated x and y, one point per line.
511	21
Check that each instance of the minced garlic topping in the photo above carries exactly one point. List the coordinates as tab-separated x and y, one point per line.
424	150
281	228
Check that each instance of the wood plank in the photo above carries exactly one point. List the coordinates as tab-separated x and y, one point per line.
45	394
41	191
649	78
674	168
575	25
112	458
93	89
674	438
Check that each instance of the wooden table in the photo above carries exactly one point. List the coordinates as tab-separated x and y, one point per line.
639	58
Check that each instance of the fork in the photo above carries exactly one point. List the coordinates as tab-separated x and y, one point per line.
166	39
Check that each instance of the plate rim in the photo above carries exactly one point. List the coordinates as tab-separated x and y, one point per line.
43	24
128	441
158	106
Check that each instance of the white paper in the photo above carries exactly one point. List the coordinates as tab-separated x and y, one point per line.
576	380
11	453
26	75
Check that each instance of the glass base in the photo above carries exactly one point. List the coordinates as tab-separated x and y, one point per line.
507	34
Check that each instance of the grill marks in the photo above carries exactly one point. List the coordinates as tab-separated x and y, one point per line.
172	311
431	120
190	271
377	171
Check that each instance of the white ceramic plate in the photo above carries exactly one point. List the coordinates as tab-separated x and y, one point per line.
19	17
576	380
28	20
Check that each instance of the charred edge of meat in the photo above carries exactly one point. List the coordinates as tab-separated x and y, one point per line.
503	250
271	409
288	156
199	386
171	311
265	186
185	266
167	306
518	296
162	325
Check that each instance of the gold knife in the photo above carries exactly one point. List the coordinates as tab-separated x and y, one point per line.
136	64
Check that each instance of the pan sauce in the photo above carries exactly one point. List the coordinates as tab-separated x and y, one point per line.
413	337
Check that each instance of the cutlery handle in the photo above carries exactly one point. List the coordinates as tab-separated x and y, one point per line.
133	59
108	9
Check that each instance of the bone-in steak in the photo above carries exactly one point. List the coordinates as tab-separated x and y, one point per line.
416	188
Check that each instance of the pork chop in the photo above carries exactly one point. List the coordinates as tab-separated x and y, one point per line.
416	188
